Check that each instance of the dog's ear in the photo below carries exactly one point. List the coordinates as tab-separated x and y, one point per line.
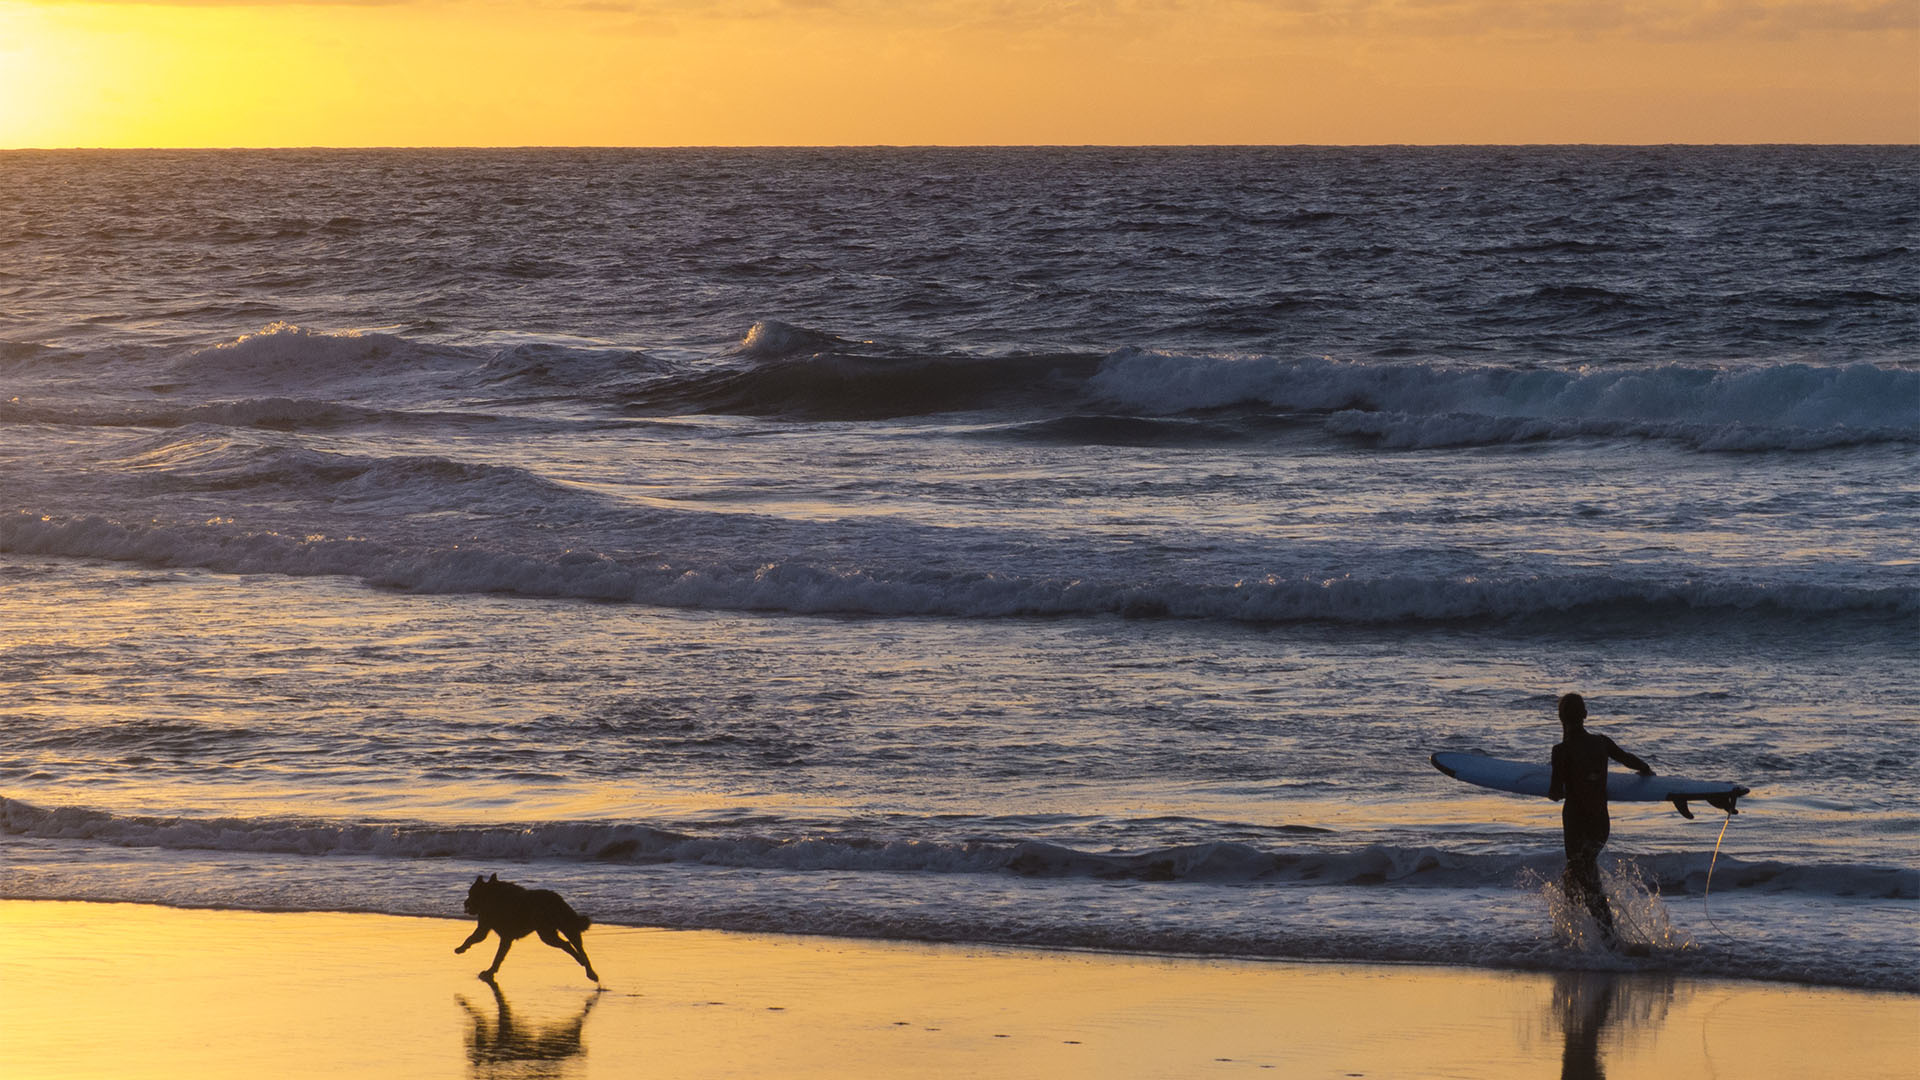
477	879
495	877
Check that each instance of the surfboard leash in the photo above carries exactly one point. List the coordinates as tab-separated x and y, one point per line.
1706	894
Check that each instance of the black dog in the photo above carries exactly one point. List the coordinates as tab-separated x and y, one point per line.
513	912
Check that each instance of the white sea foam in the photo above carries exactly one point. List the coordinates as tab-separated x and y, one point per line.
773	338
283	347
801	587
605	842
1793	406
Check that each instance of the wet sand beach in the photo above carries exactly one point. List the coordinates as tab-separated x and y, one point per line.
99	990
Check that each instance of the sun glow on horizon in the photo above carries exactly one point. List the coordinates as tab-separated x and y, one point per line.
783	72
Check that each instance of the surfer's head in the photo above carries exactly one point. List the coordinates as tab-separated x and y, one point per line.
1573	710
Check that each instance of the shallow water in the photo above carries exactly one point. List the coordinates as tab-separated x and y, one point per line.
1053	547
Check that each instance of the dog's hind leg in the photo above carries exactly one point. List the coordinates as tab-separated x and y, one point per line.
498	958
572	947
552	937
580	951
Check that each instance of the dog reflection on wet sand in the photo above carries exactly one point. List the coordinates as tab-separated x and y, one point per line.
500	1045
512	912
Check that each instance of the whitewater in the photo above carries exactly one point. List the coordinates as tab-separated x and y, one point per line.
1070	548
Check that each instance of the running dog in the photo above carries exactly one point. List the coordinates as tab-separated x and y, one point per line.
512	912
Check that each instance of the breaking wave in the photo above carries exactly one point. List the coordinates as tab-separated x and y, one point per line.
606	842
270	413
800	586
283	351
287	376
1415	405
832	384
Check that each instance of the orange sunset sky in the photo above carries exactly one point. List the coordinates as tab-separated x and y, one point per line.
759	72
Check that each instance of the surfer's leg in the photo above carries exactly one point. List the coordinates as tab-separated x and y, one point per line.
1581	881
1598	907
1597	899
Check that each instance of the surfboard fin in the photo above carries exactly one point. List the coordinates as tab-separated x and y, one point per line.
1718	802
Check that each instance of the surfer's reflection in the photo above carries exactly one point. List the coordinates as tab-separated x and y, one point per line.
1590	1005
501	1045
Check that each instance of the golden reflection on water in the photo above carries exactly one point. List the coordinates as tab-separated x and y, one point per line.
106	990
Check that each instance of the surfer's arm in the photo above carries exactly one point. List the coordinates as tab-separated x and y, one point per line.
1624	758
1557	784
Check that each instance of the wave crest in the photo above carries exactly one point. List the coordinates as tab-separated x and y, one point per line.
801	587
1793	406
1367	866
838	384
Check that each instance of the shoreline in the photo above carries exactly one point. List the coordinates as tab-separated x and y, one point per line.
601	930
106	989
1666	959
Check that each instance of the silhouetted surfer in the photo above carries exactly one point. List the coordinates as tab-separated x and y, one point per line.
1580	777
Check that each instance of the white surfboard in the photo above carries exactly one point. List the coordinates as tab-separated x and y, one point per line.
1532	778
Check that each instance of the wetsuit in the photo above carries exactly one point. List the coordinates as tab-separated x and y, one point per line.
1580	777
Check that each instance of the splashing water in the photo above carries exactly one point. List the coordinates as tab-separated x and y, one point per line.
1641	923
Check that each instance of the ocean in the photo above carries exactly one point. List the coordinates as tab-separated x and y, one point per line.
1075	548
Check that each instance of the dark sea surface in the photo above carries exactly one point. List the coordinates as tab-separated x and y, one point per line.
1077	548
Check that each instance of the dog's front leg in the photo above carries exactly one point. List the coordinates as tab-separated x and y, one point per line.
479	935
505	944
